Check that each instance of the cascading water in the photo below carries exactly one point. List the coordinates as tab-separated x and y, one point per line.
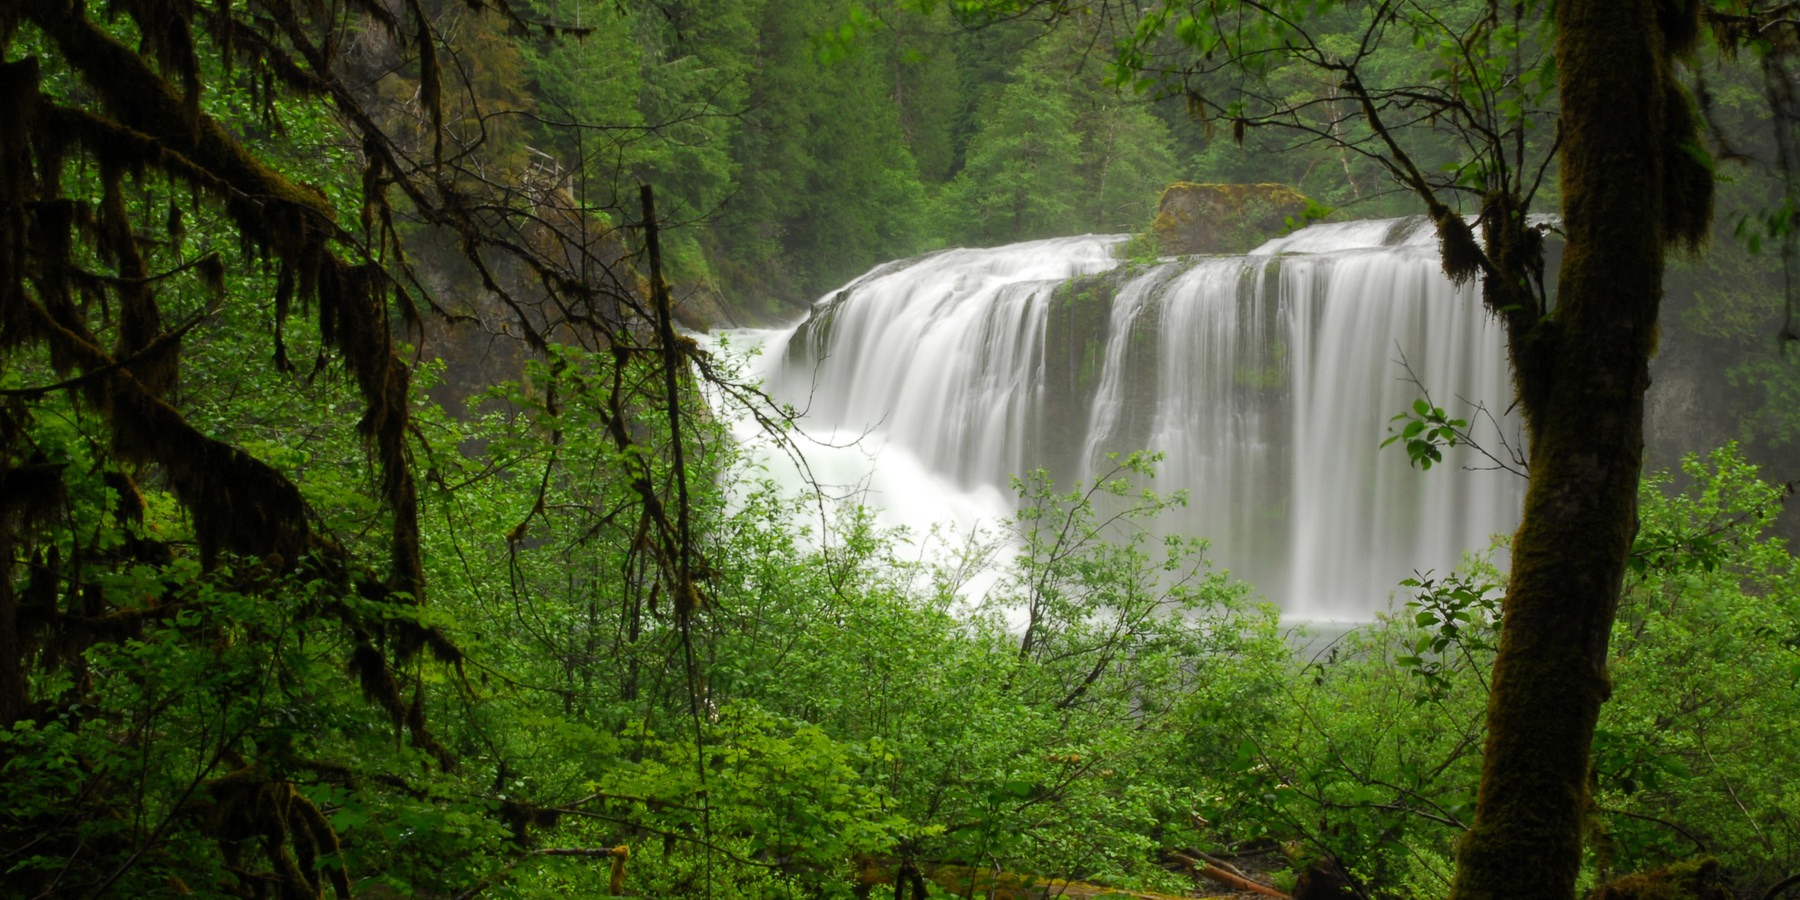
1267	380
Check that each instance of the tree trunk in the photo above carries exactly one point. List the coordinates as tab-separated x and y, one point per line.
1582	387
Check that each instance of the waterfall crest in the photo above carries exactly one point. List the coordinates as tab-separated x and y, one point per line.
1267	380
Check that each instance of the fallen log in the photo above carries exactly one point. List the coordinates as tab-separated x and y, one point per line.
1207	867
968	881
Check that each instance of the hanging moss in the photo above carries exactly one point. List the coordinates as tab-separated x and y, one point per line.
1688	177
294	836
78	285
1679	21
1461	254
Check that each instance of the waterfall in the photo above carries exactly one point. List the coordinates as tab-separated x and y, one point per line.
1267	380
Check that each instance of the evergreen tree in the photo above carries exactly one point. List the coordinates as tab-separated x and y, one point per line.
1059	151
1022	177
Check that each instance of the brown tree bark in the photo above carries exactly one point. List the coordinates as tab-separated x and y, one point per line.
1582	376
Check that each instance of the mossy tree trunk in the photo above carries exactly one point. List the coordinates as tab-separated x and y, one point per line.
1634	180
1581	374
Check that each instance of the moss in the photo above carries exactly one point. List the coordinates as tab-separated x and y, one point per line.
1226	218
1461	255
1687	196
968	881
1270	374
1680	24
1582	393
1076	331
1144	248
1696	879
1077	327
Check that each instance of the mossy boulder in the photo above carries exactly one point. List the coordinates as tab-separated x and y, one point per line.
1692	880
1224	218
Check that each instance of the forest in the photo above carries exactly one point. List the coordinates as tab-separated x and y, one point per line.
376	518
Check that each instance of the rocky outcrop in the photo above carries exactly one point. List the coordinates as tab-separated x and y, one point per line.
1224	218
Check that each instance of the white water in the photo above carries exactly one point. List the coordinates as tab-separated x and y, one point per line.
1268	380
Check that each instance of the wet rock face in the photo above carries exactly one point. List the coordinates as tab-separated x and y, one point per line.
1224	218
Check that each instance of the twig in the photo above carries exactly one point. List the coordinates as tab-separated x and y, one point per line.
1782	885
